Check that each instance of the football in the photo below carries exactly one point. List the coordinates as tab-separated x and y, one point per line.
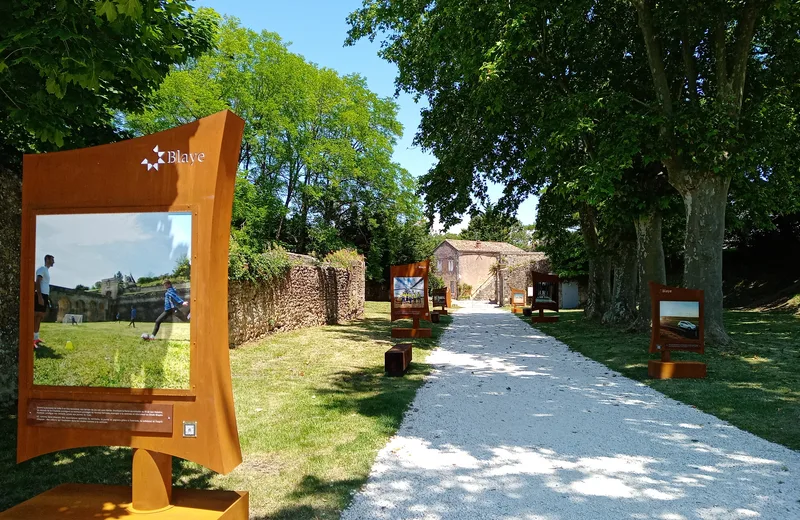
145	336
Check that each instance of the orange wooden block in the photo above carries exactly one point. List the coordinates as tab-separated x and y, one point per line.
676	369
92	502
411	333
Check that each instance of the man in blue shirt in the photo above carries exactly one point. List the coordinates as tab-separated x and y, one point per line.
133	318
172	304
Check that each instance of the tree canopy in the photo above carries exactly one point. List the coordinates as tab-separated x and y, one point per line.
67	67
316	172
616	108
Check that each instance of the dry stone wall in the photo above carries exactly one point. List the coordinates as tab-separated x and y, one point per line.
10	223
307	296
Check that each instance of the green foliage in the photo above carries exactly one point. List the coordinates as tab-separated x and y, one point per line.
316	169
343	258
266	266
67	66
493	224
81	287
464	291
434	280
182	268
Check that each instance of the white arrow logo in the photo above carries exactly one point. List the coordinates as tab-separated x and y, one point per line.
159	160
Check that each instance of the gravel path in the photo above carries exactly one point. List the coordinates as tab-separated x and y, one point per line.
512	425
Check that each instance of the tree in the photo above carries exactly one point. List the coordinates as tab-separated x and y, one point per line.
66	67
718	68
316	169
182	268
567	94
520	94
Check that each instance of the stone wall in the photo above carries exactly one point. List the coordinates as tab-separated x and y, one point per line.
308	296
10	227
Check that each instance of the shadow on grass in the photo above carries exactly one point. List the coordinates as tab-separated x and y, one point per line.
754	384
379	330
96	465
45	352
335	494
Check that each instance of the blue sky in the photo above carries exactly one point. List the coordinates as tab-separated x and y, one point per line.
90	247
680	309
316	30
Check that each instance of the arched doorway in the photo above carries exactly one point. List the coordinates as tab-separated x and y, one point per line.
63	308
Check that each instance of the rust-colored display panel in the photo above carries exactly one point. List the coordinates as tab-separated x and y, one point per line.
677	316
409	298
545	296
189	170
409	291
441	299
517	300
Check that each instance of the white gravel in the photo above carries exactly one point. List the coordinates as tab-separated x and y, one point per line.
512	425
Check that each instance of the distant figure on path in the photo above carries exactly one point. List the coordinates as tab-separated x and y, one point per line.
171	303
41	296
133	318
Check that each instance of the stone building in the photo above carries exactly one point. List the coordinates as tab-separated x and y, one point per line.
470	262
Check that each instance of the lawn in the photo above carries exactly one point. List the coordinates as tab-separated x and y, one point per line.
755	384
313	408
111	354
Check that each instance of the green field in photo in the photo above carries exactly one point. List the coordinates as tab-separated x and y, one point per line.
111	354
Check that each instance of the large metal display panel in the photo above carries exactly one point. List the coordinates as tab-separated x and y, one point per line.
677	317
119	221
409	291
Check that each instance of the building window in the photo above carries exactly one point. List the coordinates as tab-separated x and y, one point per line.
439	265
450	265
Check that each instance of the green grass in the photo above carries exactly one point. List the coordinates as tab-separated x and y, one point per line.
313	408
110	354
754	385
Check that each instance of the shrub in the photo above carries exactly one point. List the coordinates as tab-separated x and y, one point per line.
343	258
464	291
245	264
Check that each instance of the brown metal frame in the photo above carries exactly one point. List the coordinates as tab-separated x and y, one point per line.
112	179
445	293
517	307
662	293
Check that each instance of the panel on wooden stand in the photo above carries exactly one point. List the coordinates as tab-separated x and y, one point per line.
186	173
677	324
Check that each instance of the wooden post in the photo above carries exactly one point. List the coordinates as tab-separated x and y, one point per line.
416	322
152	480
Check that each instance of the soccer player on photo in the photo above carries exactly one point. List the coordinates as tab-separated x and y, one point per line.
172	304
41	296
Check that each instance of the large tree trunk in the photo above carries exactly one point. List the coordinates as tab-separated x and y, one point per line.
599	286
626	272
650	253
706	199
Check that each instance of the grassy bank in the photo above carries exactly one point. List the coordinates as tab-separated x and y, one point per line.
313	408
755	384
